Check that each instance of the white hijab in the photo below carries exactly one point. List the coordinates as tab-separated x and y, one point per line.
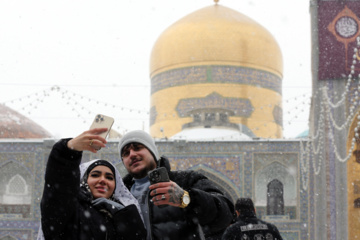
121	193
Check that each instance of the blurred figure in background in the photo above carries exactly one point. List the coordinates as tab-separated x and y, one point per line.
247	226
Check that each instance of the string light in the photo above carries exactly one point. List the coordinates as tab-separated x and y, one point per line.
315	144
326	114
76	102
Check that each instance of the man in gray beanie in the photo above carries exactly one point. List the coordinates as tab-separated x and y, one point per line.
142	137
189	206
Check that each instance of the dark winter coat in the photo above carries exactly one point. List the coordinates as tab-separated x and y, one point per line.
66	211
209	210
249	227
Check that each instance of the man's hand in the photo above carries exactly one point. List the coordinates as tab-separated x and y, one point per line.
166	193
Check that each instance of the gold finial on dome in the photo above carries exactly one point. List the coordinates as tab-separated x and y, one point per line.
216	1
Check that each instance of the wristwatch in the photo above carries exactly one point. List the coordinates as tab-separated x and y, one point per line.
185	200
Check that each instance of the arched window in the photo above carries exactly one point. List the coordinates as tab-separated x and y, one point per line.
357	203
17	186
356	185
227	187
17	191
275	198
282	173
8	238
357	151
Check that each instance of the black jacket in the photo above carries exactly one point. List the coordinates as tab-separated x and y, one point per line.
249	227
209	210
66	211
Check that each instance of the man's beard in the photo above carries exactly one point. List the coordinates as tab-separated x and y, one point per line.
143	173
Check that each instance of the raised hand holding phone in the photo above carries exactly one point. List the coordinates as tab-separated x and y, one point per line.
95	138
87	139
101	121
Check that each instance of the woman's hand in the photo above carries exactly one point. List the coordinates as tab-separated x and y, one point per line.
108	205
88	140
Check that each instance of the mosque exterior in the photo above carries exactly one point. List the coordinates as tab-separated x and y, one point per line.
216	108
212	66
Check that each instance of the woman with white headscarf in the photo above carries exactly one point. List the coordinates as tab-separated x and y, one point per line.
86	202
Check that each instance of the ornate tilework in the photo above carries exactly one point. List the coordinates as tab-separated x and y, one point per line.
25	234
248	76
178	77
220	180
230	164
216	74
290	235
239	106
247	158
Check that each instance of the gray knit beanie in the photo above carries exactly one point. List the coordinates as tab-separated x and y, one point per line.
142	137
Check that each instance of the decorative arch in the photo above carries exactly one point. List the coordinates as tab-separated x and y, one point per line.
15	164
14	187
17	186
220	180
357	203
270	172
16	191
275	198
8	238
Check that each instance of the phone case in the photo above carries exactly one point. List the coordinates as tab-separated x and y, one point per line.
158	175
102	121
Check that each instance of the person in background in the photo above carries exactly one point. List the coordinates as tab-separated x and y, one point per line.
86	202
188	206
247	226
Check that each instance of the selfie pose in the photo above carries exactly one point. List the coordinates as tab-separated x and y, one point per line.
86	202
175	204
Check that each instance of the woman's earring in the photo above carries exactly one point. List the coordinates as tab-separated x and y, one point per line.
112	197
86	185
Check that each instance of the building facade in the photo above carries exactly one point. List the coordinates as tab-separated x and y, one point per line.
334	130
239	168
309	188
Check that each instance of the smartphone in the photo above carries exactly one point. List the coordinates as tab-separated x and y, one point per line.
102	121
158	175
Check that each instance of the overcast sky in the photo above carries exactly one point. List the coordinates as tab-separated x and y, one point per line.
98	53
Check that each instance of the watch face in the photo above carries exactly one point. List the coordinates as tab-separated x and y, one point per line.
186	199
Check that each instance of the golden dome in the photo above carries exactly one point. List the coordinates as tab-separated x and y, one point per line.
216	35
216	68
